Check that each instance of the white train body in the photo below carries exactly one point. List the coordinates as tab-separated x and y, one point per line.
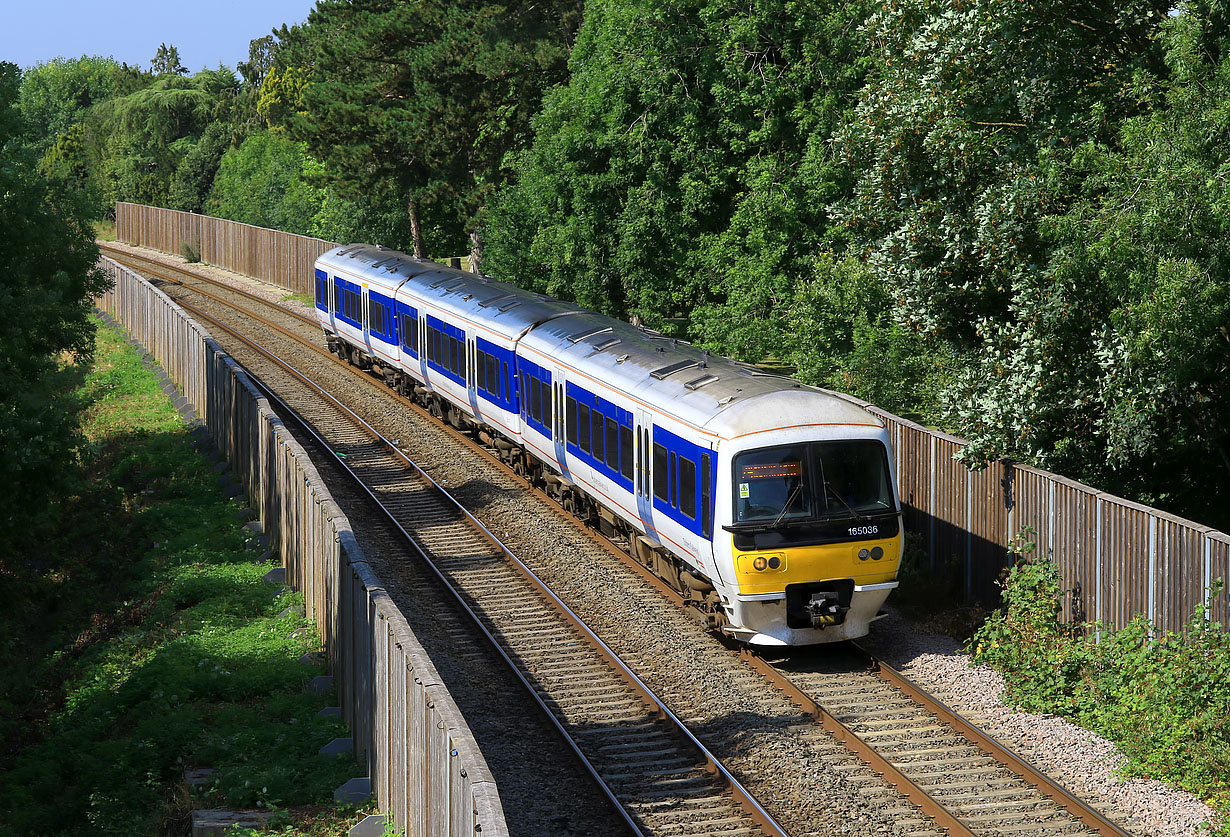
768	504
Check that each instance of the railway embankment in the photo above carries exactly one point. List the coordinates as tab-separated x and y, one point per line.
142	645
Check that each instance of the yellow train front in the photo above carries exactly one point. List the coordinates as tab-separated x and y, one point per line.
809	535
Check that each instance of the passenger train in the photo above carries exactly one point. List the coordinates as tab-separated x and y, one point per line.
768	505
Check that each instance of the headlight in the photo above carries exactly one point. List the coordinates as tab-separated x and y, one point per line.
863	554
760	563
877	553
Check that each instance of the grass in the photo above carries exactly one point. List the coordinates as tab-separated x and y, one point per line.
139	639
104	230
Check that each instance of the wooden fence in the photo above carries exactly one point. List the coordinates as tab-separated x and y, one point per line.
1118	558
426	769
282	259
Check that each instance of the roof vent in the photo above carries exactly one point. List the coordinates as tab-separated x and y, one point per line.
673	368
606	344
622	358
581	335
697	383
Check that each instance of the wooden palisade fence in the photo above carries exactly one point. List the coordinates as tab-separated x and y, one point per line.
1118	558
426	769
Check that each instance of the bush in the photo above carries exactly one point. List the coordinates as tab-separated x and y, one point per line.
1162	697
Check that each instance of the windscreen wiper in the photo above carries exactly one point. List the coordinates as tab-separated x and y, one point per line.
828	489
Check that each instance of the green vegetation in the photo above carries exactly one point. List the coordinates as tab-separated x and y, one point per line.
988	216
1163	698
138	638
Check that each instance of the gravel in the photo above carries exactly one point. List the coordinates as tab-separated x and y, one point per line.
1083	762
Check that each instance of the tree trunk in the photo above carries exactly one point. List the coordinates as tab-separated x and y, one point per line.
476	252
416	231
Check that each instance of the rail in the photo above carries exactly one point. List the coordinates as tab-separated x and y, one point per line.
421	756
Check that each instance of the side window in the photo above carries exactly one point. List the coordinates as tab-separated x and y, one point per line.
706	495
674	480
597	437
503	381
536	399
584	427
612	444
491	373
661	473
546	402
572	420
625	451
687	487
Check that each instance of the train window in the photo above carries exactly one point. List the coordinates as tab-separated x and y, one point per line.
661	473
463	352
706	495
597	437
492	374
503	381
583	426
612	444
687	487
674	480
546	402
454	363
481	372
572	419
625	451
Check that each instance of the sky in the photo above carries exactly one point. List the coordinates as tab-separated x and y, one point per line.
206	32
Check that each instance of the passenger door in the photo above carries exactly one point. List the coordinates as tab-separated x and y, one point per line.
644	477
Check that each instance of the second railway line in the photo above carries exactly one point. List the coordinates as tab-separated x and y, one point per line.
801	773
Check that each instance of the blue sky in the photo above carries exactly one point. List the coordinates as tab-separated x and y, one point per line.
206	32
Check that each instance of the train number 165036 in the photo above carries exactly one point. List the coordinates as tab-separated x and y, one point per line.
864	530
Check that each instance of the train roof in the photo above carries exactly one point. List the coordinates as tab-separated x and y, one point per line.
504	308
723	396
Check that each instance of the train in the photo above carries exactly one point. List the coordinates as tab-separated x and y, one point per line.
768	505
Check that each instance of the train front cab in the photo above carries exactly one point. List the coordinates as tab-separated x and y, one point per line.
811	536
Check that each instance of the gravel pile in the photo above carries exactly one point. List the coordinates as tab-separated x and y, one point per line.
1083	762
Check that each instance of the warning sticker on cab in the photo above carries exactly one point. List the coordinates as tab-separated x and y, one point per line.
744	491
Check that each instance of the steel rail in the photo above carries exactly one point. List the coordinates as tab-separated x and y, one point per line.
713	765
994	748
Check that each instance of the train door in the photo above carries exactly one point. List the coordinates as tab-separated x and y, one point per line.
558	424
366	318
471	370
422	347
644	477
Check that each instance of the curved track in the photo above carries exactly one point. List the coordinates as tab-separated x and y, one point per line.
658	774
966	782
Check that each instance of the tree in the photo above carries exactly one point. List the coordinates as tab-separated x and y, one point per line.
267	182
196	171
425	99
139	140
166	61
56	96
684	176
48	280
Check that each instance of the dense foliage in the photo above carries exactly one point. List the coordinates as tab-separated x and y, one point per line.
1162	697
1003	219
48	280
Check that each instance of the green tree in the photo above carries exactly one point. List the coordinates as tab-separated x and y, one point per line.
194	176
425	99
55	96
138	140
48	279
684	177
166	62
268	182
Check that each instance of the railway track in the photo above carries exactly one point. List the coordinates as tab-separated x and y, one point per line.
960	778
656	772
